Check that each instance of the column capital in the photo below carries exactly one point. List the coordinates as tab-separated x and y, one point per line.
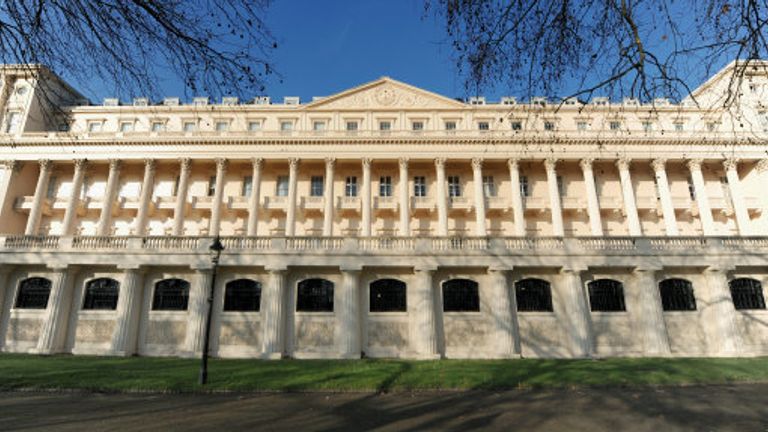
586	164
353	269
366	162
257	163
45	164
440	162
730	164
550	164
694	164
277	270
293	163
659	164
720	268
572	270
221	164
186	163
330	162
115	164
513	164
11	165
647	269
499	270
477	163
762	166
133	268
150	164
425	269
80	164
403	162
623	163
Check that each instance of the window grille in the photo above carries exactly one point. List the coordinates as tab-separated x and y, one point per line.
242	295
316	186
419	186
385	186
483	126
350	188
33	293
524	190
102	294
533	295
315	295
747	294
461	295
388	295
606	295
171	294
677	295
454	186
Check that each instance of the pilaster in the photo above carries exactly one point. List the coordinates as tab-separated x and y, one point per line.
718	315
504	315
421	313
54	328
348	337
5	296
125	337
576	319
273	315
198	309
650	318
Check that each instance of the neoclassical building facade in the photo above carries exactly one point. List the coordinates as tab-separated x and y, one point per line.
383	221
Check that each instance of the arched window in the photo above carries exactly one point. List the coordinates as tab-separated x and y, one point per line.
171	294
533	295
461	295
33	293
747	293
243	295
101	293
677	295
315	295
606	295
387	295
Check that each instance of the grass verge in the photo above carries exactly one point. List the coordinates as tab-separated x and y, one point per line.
172	374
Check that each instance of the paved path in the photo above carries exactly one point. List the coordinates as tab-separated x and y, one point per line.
714	408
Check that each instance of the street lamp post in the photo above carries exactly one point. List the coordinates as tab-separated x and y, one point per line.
215	251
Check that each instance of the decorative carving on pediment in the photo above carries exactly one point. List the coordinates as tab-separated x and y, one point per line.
385	96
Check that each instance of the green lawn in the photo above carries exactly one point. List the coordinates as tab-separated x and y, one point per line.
172	374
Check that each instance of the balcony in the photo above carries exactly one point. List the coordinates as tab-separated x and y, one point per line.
202	202
348	203
385	203
535	204
647	203
423	203
460	203
238	202
312	203
574	204
496	203
610	203
165	202
24	204
276	203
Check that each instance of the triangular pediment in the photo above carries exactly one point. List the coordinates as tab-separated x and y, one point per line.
385	93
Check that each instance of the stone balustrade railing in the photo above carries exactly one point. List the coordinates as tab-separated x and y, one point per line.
418	245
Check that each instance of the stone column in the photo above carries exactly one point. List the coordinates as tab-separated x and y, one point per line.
702	200
33	222
366	197
554	198
147	187
737	197
181	196
517	198
198	309
442	198
593	205
54	326
218	197
5	272
504	314
328	198
68	225
290	217
667	208
650	315
421	314
576	310
405	199
273	315
477	177
718	315
8	169
348	335
628	193
252	227
113	181
126	335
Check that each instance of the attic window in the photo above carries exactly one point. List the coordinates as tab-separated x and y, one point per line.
254	126
351	125
158	126
418	125
94	126
450	125
126	126
385	125
483	126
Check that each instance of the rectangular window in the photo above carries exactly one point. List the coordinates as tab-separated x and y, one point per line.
52	184
549	126
316	186
489	187
222	126
158	126
385	186
385	125
92	126
318	126
483	126
350	187
254	126
211	185
516	125
614	125
450	125
417	125
560	186
14	120
189	126
419	186
454	186
582	125
282	186
247	186
647	126
679	127
524	190
351	125
286	126
126	127
691	189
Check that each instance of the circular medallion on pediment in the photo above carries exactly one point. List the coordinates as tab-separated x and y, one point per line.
386	96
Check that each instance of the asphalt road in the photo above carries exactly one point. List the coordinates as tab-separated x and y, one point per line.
711	408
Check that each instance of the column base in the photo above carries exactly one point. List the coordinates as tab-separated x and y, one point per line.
425	356
272	356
